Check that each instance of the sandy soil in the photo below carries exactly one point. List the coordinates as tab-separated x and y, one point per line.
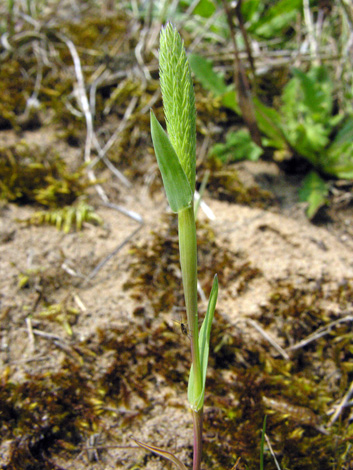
280	242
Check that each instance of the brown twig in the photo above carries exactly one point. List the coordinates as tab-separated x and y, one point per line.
100	265
323	331
246	41
278	348
242	83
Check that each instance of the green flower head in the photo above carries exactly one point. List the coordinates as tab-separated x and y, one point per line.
178	99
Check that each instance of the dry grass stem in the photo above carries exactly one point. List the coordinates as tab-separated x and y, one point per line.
268	338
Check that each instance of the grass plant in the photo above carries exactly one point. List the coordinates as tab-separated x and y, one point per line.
176	156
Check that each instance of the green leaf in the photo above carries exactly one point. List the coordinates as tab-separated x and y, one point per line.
307	113
204	73
316	88
262	445
338	160
204	346
205	331
213	81
345	134
269	122
314	191
249	9
308	122
276	18
175	182
205	8
229	100
238	146
309	139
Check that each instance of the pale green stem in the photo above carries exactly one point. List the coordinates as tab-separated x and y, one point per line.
188	261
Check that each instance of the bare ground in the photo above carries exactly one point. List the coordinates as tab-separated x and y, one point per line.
281	243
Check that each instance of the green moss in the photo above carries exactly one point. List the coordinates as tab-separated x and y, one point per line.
246	381
15	88
95	30
296	394
54	412
37	175
225	185
66	218
45	411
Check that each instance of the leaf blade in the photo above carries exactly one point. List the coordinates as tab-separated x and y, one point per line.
314	191
204	347
176	184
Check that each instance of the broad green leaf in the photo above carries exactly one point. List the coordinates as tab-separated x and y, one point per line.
309	139
345	134
163	453
307	111
250	9
205	8
306	114
238	146
276	18
213	81
308	123
317	89
270	123
339	160
229	100
204	73
314	191
175	182
196	402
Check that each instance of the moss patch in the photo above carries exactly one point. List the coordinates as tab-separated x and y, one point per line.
225	185
155	268
38	175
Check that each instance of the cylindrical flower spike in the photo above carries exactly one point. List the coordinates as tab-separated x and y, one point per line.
178	99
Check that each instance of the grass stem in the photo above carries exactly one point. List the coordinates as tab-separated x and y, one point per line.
188	261
197	417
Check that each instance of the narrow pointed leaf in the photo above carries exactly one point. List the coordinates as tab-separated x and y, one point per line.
262	446
205	332
162	453
175	182
204	347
